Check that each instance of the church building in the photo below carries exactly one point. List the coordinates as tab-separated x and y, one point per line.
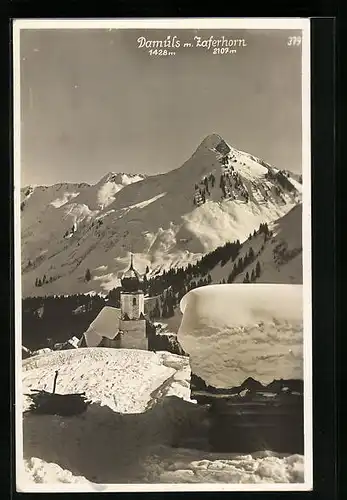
124	327
132	325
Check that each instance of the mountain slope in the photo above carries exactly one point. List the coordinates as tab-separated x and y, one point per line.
219	194
267	256
279	256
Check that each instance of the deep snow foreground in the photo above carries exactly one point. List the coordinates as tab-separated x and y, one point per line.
150	432
236	331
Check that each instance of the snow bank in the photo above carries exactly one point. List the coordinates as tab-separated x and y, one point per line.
261	467
39	471
119	378
236	331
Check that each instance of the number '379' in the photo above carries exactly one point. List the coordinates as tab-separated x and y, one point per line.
294	41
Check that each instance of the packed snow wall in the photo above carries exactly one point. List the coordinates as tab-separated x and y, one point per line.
236	331
245	345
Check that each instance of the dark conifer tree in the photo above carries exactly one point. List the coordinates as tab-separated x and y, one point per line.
257	270
251	253
170	309
164	311
233	273
156	310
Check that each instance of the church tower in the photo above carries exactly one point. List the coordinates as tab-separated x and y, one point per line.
132	324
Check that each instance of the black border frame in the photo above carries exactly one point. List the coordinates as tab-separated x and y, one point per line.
323	173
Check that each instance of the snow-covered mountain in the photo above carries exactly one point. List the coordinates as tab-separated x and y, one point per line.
279	255
264	257
219	194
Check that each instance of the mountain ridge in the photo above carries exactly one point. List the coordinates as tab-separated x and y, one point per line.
219	194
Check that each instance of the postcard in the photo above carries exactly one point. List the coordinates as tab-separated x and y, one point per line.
162	254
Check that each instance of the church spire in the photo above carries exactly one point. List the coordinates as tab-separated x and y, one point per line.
131	278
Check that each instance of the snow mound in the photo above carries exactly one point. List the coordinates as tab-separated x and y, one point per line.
121	379
259	467
236	331
39	471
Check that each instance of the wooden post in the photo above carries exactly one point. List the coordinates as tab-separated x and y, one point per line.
55	381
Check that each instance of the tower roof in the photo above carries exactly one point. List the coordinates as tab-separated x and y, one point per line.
131	278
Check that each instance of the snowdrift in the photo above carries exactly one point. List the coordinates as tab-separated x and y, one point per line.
236	331
121	379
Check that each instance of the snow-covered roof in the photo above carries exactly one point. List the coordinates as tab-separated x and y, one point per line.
104	325
74	342
236	331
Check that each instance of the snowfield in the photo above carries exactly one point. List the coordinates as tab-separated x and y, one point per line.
236	331
141	427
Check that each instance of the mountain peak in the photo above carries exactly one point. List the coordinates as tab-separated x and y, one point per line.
218	195
211	140
214	142
122	177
